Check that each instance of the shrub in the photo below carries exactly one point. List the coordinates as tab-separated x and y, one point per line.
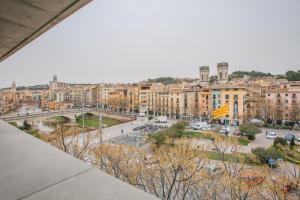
280	141
292	143
260	154
179	125
263	154
26	126
249	129
150	117
250	136
158	139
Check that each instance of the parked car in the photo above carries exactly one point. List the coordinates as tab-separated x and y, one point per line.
298	139
189	127
225	130
271	162
271	135
212	168
161	119
289	137
208	128
201	126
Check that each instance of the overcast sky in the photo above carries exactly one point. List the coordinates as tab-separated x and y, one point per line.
132	40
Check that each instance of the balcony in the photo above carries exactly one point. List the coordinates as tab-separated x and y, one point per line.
32	169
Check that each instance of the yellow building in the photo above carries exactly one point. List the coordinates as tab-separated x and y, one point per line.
234	96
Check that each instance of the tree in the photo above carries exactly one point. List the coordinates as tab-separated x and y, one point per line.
266	111
292	144
164	80
293	75
294	111
240	74
26	126
71	140
181	172
278	113
169	173
279	141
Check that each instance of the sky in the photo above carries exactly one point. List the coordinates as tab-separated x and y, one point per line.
133	40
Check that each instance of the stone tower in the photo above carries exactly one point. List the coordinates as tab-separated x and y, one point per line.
204	75
13	86
54	78
222	72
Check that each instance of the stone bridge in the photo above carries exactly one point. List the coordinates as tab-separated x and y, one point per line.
66	113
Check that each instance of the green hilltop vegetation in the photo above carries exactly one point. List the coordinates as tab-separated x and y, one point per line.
170	80
164	80
289	75
293	75
33	87
239	74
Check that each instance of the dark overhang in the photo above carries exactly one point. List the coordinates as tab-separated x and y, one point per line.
21	21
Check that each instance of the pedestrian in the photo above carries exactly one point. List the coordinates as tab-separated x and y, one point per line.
122	131
266	132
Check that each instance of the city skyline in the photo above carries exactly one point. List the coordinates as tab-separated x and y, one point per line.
113	41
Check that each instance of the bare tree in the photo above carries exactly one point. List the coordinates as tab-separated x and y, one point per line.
71	141
294	111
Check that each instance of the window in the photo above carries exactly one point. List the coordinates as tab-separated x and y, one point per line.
226	96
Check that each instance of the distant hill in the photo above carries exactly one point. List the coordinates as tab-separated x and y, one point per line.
164	80
33	87
240	74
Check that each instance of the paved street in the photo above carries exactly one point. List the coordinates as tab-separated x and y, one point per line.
262	141
115	131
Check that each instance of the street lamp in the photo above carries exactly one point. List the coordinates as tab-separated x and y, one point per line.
100	126
82	100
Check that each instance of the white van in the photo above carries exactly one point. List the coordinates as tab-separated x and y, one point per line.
142	114
201	126
161	119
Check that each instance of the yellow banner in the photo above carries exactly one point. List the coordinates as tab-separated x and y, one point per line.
221	112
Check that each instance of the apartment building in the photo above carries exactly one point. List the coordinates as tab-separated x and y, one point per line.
231	94
285	101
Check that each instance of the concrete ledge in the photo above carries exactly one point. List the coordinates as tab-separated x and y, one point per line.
32	169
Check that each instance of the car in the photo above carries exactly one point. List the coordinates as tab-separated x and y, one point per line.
161	119
298	139
212	168
189	127
207	128
271	162
201	126
225	130
271	135
289	137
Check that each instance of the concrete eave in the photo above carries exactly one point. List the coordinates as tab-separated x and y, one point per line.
23	21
